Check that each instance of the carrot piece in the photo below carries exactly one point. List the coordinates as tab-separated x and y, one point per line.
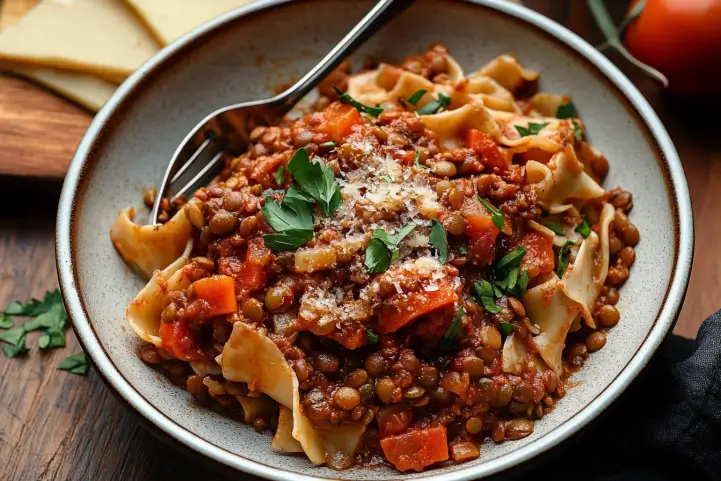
416	449
481	231
339	120
539	251
178	342
219	292
402	309
253	275
483	144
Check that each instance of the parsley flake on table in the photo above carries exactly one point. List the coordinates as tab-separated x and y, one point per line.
345	98
417	95
439	241
496	215
583	228
532	129
435	106
383	248
75	364
48	315
5	322
317	179
563	260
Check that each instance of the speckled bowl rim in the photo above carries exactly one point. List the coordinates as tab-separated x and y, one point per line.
669	164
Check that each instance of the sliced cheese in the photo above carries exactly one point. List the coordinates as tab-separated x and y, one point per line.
89	91
102	37
169	19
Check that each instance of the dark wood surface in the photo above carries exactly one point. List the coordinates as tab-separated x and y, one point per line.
57	426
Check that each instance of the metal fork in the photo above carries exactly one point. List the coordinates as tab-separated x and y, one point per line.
199	156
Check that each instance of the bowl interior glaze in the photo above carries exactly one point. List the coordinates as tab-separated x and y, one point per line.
243	58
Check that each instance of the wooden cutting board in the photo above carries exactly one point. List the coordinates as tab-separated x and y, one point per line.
38	130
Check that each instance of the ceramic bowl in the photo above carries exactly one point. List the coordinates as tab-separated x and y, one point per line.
242	56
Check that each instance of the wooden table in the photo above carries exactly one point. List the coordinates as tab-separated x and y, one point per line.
57	426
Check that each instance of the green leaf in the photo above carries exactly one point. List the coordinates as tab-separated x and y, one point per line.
557	229
75	364
34	307
416	160
506	328
533	129
317	179
55	318
512	259
16	349
329	144
490	305
387	178
455	329
5	322
583	228
496	215
284	217
280	175
271	192
12	336
577	130
563	258
435	106
483	289
566	111
347	99
417	95
287	240
439	241
512	279
463	249
371	336
383	249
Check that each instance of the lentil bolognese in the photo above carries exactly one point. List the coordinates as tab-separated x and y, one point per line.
409	270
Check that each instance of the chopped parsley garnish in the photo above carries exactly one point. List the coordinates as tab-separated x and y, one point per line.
329	144
271	192
280	175
371	336
463	249
512	259
566	111
532	129
557	229
439	241
387	178
292	220
417	161
317	179
577	130
454	332
383	248
496	215
563	258
508	270
413	99
347	99
506	328
75	364
583	228
435	106
48	316
485	293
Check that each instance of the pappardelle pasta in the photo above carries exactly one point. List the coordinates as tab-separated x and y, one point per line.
413	268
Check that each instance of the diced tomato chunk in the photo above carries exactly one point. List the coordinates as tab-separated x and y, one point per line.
481	231
416	449
219	292
339	120
539	251
177	340
483	144
403	308
253	273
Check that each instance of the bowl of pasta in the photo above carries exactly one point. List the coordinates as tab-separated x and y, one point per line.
455	254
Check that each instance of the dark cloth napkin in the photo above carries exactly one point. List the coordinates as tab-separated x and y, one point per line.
665	427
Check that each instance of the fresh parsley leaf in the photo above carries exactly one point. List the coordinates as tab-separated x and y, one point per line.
533	129
371	336
5	322
16	349
13	336
75	364
296	194
463	249
387	178
557	229
563	258
329	144
435	106
512	259
455	330
506	328
512	279
317	179
577	130
347	99
296	215
496	215
383	249
439	241
417	95
417	162
280	175
287	240
50	316
483	289
490	305
583	228
566	111
34	307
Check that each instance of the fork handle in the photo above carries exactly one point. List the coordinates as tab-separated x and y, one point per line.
369	24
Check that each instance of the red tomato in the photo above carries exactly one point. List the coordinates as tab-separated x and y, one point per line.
178	341
539	250
681	39
484	146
